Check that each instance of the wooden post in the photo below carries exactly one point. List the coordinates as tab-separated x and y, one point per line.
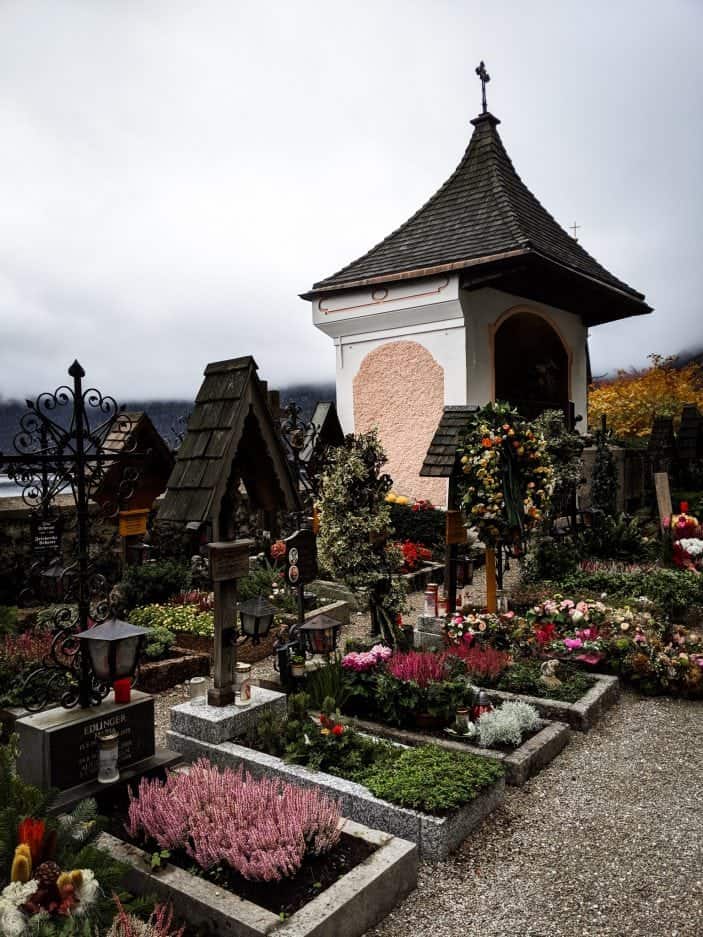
491	584
229	562
452	550
661	484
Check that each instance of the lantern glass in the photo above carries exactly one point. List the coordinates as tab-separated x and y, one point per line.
256	617
113	649
321	634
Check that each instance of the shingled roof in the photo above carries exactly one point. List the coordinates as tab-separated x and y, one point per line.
440	460
230	417
482	214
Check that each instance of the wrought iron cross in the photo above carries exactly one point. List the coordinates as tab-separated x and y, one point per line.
485	78
60	448
575	227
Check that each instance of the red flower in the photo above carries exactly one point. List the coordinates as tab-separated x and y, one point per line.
337	730
31	832
545	634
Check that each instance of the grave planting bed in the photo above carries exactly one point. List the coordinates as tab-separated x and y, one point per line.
583	714
520	764
383	872
179	666
435	836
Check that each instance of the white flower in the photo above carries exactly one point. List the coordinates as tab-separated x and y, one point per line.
87	891
12	921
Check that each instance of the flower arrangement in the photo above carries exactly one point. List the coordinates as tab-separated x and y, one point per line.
38	885
464	629
174	618
413	555
507	474
364	661
260	828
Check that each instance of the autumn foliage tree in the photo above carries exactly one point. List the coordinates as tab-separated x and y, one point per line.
632	399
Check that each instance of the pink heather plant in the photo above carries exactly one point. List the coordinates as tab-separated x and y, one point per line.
362	661
261	828
421	667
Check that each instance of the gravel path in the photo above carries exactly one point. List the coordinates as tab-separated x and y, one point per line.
605	842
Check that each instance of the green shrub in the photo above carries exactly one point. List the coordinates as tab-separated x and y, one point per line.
159	642
330	682
8	619
154	582
616	538
425	527
674	591
432	779
549	558
174	618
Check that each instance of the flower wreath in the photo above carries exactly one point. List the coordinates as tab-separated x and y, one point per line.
507	474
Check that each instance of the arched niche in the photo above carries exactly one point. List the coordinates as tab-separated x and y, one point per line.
531	364
399	389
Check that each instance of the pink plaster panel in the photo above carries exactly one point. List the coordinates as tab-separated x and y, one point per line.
399	388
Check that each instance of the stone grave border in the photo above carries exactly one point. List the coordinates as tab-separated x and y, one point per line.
520	765
435	836
348	908
582	715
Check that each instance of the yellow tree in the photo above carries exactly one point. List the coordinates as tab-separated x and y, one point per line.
632	399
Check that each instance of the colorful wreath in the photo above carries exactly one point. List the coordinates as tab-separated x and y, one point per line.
507	475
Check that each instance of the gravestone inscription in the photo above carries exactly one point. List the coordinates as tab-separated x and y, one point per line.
59	747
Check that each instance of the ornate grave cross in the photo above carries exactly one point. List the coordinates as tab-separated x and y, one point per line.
300	438
485	78
575	227
71	455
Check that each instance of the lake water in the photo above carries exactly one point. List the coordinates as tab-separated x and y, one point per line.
8	489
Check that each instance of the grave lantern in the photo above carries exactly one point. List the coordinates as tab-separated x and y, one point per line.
320	634
51	581
112	649
256	617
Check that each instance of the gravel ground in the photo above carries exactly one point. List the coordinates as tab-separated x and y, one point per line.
605	842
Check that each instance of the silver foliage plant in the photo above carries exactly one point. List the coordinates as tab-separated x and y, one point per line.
507	725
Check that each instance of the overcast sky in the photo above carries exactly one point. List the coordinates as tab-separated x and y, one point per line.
173	174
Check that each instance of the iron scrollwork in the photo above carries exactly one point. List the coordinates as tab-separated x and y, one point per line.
68	442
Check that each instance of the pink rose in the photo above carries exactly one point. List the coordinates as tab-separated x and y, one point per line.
565	604
573	643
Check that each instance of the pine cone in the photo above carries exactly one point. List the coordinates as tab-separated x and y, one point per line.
47	874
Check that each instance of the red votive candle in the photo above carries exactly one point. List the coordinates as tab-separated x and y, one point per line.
123	690
684	507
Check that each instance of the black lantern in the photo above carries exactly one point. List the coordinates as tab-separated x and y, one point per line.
320	634
51	583
112	649
256	617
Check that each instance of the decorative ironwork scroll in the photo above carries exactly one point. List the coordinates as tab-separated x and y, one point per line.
67	443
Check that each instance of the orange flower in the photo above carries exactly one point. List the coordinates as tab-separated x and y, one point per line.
486	442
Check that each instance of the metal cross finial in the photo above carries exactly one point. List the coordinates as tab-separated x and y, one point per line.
485	78
575	227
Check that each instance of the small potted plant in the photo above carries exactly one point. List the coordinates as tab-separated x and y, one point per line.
297	665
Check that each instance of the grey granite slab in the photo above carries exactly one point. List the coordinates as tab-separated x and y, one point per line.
218	723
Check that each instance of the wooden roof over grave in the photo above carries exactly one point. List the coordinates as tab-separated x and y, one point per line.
440	460
231	433
154	461
486	223
327	431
